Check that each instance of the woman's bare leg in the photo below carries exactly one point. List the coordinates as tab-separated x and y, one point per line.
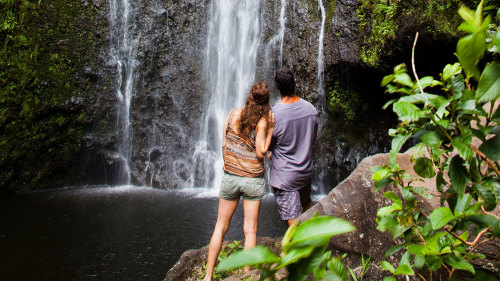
224	215
251	213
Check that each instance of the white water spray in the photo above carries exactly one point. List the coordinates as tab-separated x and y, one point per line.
123	51
231	55
320	76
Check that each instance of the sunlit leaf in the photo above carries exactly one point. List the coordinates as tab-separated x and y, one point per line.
254	256
406	111
488	88
451	70
387	266
319	227
440	217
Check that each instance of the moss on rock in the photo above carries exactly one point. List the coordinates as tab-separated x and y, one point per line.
45	48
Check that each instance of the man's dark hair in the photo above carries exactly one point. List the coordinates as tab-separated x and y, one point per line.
285	82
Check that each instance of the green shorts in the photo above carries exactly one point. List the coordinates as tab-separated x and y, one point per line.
233	187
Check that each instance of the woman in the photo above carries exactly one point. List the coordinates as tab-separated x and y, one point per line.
247	135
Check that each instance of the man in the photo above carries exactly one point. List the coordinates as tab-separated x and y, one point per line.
296	124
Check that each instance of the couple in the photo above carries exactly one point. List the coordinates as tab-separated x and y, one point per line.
288	133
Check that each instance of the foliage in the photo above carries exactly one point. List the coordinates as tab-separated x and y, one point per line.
43	52
381	21
303	252
365	265
467	175
227	250
343	101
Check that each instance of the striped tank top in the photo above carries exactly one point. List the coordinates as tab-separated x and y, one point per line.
240	157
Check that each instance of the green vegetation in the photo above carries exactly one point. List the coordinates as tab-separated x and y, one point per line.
365	265
227	250
382	21
43	52
303	252
458	131
344	102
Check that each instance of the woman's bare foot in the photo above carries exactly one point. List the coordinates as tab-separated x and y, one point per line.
208	277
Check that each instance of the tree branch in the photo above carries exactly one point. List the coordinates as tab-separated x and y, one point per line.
413	64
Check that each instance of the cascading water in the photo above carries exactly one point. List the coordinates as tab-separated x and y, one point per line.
280	36
321	163
231	58
123	51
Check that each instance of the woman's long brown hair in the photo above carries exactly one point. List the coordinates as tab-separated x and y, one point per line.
256	107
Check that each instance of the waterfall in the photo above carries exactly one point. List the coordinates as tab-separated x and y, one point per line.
123	51
280	37
320	77
230	67
321	162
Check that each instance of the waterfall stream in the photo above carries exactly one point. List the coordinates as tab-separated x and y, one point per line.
321	163
123	52
230	66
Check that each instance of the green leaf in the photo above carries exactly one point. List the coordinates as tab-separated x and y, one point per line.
406	111
418	98
397	142
389	278
318	228
381	174
440	217
404	269
485	221
385	210
432	139
387	266
451	70
403	79
491	148
387	79
470	49
424	167
416	249
419	261
459	263
386	105
458	174
486	192
462	144
488	88
433	262
336	267
428	81
394	249
253	256
295	254
386	223
288	234
463	203
398	205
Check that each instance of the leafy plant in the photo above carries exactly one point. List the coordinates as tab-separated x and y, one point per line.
303	252
462	107
365	265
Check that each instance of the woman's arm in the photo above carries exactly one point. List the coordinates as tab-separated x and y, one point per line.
263	134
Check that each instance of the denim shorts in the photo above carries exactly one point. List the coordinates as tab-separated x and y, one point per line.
233	187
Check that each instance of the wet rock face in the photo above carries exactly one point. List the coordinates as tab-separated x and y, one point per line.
170	93
171	89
